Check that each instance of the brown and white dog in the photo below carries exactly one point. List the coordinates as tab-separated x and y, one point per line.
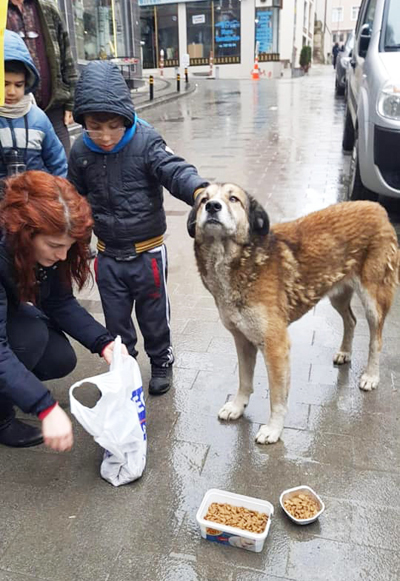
263	279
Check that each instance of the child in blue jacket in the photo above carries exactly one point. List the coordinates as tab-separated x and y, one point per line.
27	137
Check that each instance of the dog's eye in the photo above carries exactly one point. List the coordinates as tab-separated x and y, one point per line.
203	200
233	199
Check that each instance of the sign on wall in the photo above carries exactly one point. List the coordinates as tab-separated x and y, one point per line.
264	30
227	33
199	19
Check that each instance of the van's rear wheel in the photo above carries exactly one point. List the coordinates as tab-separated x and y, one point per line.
348	132
357	190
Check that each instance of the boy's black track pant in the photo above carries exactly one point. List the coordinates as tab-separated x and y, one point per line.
141	284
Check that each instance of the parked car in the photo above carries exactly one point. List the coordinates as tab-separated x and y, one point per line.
372	121
342	64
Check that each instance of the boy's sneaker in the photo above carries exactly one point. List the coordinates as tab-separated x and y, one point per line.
161	380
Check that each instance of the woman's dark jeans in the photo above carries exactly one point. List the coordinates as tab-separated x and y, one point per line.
42	349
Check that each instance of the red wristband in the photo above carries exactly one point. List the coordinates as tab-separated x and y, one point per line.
44	413
105	347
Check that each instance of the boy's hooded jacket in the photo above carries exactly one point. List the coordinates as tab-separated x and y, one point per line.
124	186
42	150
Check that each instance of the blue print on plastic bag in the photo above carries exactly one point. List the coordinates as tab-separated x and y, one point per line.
138	398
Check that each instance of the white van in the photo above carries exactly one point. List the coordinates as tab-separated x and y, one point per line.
372	122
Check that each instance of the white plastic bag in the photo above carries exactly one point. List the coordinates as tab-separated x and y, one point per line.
118	420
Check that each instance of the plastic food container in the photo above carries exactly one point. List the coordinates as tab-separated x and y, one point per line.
295	492
227	535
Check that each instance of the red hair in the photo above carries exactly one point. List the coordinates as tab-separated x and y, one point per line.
34	203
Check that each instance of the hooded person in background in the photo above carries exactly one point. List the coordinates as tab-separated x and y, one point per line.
335	52
40	25
27	138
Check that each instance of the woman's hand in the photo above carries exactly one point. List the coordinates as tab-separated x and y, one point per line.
108	351
57	430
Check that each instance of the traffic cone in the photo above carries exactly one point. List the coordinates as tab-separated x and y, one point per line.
255	73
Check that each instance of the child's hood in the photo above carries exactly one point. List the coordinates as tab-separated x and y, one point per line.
16	50
102	89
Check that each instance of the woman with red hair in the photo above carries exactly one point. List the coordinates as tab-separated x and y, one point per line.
43	250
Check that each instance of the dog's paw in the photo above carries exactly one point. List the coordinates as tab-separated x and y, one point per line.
268	435
341	357
368	382
231	411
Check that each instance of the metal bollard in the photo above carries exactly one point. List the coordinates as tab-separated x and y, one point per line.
151	86
186	76
178	82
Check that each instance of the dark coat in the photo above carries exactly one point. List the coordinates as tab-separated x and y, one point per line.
55	303
125	186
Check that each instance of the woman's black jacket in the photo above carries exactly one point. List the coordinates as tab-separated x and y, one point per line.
55	303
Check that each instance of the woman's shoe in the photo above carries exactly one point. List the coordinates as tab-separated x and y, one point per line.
16	434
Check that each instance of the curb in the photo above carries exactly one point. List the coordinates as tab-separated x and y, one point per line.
167	98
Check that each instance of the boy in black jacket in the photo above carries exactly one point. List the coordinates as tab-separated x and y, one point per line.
121	164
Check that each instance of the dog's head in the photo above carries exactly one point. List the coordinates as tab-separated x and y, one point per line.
226	211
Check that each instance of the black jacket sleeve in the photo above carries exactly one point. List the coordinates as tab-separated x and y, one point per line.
75	173
17	383
171	171
62	307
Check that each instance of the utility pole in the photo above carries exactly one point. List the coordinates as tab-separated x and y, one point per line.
294	37
324	35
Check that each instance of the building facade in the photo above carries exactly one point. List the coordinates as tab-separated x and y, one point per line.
104	29
170	34
336	19
226	33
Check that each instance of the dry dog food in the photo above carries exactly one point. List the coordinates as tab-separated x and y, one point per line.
301	506
237	516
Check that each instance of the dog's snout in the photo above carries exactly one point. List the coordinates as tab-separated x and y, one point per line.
213	206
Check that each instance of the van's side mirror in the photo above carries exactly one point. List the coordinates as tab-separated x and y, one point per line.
363	43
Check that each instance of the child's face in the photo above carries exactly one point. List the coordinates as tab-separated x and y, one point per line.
14	87
105	134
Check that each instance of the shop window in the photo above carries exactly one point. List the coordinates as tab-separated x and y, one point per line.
266	35
227	31
213	27
148	37
199	17
100	29
168	35
159	32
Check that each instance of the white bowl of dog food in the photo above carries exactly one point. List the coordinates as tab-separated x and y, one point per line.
234	520
301	504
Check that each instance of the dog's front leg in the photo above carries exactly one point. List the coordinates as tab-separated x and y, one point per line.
246	353
276	355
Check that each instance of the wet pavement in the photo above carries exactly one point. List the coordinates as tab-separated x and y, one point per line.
281	140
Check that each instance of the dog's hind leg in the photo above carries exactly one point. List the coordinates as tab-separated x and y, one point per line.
276	355
246	353
340	299
376	300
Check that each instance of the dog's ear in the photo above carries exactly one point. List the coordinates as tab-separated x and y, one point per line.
258	219
191	221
